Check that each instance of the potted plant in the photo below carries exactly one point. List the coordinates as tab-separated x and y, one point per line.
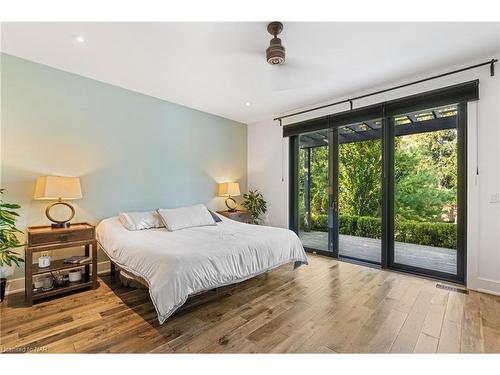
8	240
254	202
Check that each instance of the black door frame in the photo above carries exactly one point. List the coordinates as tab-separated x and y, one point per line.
387	252
460	276
387	189
293	178
333	191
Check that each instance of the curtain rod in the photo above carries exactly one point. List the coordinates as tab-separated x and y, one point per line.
491	63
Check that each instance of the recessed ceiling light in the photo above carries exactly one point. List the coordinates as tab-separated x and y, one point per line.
247	104
79	38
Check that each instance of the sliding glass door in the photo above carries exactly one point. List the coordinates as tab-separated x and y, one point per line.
428	194
339	180
315	224
359	178
388	191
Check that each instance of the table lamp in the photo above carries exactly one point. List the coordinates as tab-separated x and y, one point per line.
58	188
229	190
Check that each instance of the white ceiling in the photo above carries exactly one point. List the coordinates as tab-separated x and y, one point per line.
218	67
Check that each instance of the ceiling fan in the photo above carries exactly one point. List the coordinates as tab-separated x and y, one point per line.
291	73
275	53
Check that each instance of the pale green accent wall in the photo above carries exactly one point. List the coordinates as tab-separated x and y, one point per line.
132	151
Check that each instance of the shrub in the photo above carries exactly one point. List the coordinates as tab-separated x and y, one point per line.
420	233
370	227
319	222
347	224
430	234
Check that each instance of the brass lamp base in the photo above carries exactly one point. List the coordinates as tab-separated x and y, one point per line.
231	208
60	223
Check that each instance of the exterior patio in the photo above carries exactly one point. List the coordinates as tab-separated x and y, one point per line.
427	257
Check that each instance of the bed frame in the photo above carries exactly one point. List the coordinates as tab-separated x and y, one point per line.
194	300
112	269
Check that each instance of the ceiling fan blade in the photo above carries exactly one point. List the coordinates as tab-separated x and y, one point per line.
292	75
281	78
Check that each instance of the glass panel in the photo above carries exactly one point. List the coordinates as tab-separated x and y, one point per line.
313	190
425	186
360	191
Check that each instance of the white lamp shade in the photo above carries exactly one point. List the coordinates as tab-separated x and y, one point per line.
227	189
58	187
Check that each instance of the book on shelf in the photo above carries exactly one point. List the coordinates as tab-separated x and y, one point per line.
77	259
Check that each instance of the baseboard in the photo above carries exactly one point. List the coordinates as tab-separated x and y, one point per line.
485	285
14	286
17	285
488	291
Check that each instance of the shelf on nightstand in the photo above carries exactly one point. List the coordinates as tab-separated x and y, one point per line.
57	265
62	289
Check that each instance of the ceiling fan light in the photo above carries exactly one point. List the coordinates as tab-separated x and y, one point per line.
275	53
275	60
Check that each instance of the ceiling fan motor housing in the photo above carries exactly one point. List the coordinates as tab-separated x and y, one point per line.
275	53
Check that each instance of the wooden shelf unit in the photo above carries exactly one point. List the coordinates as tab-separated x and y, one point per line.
45	238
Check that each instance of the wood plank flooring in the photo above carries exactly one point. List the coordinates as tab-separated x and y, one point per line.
326	307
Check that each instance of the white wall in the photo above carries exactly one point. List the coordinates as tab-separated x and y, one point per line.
265	163
268	168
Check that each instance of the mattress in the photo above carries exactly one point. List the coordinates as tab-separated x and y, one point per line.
178	264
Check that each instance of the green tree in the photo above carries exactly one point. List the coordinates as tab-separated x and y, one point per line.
360	178
425	175
319	180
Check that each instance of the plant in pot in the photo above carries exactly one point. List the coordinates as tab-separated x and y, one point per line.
8	240
254	202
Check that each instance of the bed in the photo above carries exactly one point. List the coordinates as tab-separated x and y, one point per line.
178	264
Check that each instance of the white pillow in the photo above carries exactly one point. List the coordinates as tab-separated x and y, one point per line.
140	220
186	217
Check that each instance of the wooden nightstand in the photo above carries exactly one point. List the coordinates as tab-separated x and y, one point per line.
44	238
242	216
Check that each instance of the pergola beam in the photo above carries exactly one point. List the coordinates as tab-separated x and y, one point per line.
443	123
440	123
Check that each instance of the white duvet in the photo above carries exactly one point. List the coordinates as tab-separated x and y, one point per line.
184	262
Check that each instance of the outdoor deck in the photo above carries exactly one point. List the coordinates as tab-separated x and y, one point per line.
428	257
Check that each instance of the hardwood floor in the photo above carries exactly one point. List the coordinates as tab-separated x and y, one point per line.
326	307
